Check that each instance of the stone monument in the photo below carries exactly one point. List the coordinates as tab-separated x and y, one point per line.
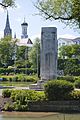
48	61
48	68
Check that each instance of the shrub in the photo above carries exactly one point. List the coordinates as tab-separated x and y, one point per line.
31	79
18	70
21	98
6	93
77	83
27	95
8	107
19	107
58	89
75	95
67	78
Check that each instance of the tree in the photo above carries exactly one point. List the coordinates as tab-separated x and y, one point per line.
63	10
21	52
7	3
7	46
34	55
69	60
71	51
22	57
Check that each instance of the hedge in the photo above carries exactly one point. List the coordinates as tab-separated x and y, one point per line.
17	70
58	89
20	78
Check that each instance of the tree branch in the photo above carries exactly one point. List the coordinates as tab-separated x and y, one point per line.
4	5
48	16
62	18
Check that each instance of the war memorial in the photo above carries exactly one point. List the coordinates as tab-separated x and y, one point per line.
48	56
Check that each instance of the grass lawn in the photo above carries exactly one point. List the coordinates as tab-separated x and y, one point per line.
18	84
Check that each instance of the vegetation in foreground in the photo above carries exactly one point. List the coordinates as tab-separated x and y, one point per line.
54	90
21	98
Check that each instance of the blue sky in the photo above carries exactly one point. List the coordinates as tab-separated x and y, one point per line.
26	9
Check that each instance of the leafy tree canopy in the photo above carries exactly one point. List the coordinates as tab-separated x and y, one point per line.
72	51
63	10
7	46
7	3
34	54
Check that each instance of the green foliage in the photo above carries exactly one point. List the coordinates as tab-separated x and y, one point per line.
24	95
6	93
23	63
68	78
8	3
21	98
19	107
67	11
17	70
8	107
14	59
27	95
75	95
19	78
33	79
77	83
69	51
58	89
21	52
69	66
34	56
7	50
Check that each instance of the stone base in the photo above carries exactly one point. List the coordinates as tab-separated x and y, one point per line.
38	86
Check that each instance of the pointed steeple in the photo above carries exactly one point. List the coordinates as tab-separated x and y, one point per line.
7	30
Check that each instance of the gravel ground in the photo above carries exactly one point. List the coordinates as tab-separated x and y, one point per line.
3	102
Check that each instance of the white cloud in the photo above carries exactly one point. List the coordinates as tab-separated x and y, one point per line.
1	34
67	36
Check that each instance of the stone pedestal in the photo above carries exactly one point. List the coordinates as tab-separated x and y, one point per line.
48	68
38	86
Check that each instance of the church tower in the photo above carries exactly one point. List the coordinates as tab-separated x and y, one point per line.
24	30
7	30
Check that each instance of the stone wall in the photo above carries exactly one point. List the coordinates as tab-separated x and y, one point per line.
58	106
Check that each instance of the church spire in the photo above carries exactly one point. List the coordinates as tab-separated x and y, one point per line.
7	30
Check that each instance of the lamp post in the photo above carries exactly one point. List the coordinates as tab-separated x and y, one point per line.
38	60
15	51
29	44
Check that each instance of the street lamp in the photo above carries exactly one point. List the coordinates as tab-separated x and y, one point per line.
29	44
14	57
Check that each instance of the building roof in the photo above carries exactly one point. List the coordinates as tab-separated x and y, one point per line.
24	23
76	39
25	42
65	39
